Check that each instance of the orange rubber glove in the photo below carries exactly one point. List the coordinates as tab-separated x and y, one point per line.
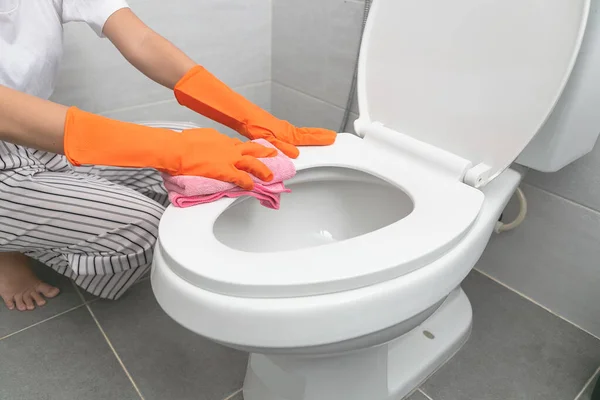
202	92
94	140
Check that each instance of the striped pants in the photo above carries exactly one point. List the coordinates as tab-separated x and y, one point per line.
95	225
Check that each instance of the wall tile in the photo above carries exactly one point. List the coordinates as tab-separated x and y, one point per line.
304	110
231	38
579	182
315	44
552	258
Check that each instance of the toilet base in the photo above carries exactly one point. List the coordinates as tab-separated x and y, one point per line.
387	372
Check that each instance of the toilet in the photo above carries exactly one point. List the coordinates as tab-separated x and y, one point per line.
352	289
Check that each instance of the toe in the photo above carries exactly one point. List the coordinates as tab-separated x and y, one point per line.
39	300
9	302
28	300
19	302
47	290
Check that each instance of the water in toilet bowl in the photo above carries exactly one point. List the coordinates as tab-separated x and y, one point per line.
326	205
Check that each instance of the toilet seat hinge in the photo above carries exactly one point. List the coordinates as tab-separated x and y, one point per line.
477	176
424	153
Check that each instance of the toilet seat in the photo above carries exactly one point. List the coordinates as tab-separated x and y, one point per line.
442	112
444	210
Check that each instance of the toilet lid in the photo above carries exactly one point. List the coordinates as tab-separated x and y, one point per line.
477	78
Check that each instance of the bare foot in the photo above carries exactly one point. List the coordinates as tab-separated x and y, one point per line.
19	286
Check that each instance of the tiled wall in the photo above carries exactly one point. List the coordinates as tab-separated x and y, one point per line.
554	257
231	38
314	50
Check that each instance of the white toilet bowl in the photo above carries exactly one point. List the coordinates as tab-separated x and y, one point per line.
332	342
352	289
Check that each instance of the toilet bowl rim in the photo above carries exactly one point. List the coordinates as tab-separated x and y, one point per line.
314	320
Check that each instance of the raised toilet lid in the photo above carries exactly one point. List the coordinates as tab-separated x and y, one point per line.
477	78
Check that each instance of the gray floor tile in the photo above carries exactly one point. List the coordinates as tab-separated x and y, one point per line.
587	394
166	360
65	358
517	351
417	396
414	396
238	396
12	321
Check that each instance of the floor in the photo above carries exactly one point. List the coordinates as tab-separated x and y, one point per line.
79	348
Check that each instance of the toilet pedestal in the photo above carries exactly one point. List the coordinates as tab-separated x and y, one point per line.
387	372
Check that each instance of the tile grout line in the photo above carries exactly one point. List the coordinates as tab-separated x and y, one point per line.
106	338
232	395
424	394
561	197
587	384
112	348
286	86
534	302
42	321
166	101
135	107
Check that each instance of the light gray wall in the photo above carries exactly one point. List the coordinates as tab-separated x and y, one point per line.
314	49
553	258
231	38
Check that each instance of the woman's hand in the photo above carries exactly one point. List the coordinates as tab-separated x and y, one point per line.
285	136
202	92
96	140
209	153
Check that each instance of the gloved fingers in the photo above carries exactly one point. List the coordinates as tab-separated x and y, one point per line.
237	177
256	150
315	137
255	167
286	148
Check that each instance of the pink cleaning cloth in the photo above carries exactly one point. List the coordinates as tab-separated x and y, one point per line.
187	191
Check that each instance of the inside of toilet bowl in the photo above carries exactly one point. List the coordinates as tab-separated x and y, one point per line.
326	205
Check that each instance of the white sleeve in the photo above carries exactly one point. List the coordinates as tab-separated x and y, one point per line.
93	12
